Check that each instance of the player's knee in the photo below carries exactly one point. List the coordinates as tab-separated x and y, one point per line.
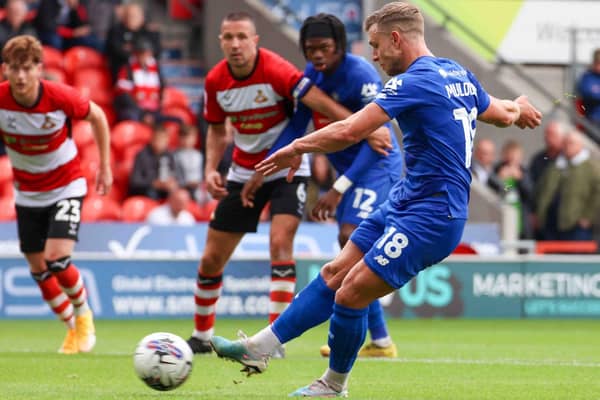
280	244
41	276
346	296
211	263
58	264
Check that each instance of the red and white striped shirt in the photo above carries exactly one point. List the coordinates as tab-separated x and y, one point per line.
44	158
142	83
257	107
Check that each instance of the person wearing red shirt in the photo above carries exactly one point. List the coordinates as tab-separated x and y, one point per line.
255	89
35	121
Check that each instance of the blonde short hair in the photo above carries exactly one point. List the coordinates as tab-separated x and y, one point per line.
397	15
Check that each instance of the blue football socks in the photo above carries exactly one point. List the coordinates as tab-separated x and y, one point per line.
347	331
311	307
377	326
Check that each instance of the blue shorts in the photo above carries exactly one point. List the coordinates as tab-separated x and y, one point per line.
364	197
398	244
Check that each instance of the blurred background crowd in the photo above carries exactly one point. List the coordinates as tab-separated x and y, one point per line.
143	63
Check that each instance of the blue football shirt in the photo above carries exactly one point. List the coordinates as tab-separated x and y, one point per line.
436	103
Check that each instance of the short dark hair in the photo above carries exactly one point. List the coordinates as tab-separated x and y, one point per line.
337	26
239	16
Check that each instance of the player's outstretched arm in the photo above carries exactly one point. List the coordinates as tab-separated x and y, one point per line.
334	137
519	112
97	119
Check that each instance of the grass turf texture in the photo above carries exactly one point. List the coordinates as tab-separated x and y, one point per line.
438	359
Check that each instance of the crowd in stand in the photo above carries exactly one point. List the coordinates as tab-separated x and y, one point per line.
114	58
557	195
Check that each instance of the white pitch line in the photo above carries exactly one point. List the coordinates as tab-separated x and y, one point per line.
462	361
508	361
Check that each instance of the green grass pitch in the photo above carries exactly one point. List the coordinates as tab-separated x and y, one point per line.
438	359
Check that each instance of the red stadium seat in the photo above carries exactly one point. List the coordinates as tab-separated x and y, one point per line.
100	208
82	57
128	134
464	248
83	134
6	174
171	96
7	189
183	113
136	208
562	247
173	130
94	83
7	209
55	74
53	58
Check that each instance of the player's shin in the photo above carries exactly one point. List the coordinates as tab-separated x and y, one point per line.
311	307
283	285
208	291
55	297
347	331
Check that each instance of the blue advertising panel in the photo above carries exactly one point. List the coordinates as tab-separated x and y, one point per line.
123	240
125	289
140	289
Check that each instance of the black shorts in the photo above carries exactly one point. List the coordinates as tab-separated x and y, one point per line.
59	221
286	198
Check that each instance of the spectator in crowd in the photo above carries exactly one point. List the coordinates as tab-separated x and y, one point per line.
123	34
554	134
173	212
190	160
588	89
155	173
64	24
15	22
517	189
569	200
139	85
104	12
482	165
553	139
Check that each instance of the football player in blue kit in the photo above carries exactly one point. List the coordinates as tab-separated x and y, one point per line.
364	176
436	102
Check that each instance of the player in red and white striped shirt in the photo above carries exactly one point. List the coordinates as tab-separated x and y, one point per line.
255	89
35	125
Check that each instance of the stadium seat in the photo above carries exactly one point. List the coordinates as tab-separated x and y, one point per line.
136	208
206	211
7	209
82	57
566	247
83	136
53	58
94	83
100	208
55	74
173	130
6	173
128	134
7	189
183	113
464	248
171	96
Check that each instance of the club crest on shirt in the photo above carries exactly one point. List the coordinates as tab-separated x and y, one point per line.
260	97
12	122
48	123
